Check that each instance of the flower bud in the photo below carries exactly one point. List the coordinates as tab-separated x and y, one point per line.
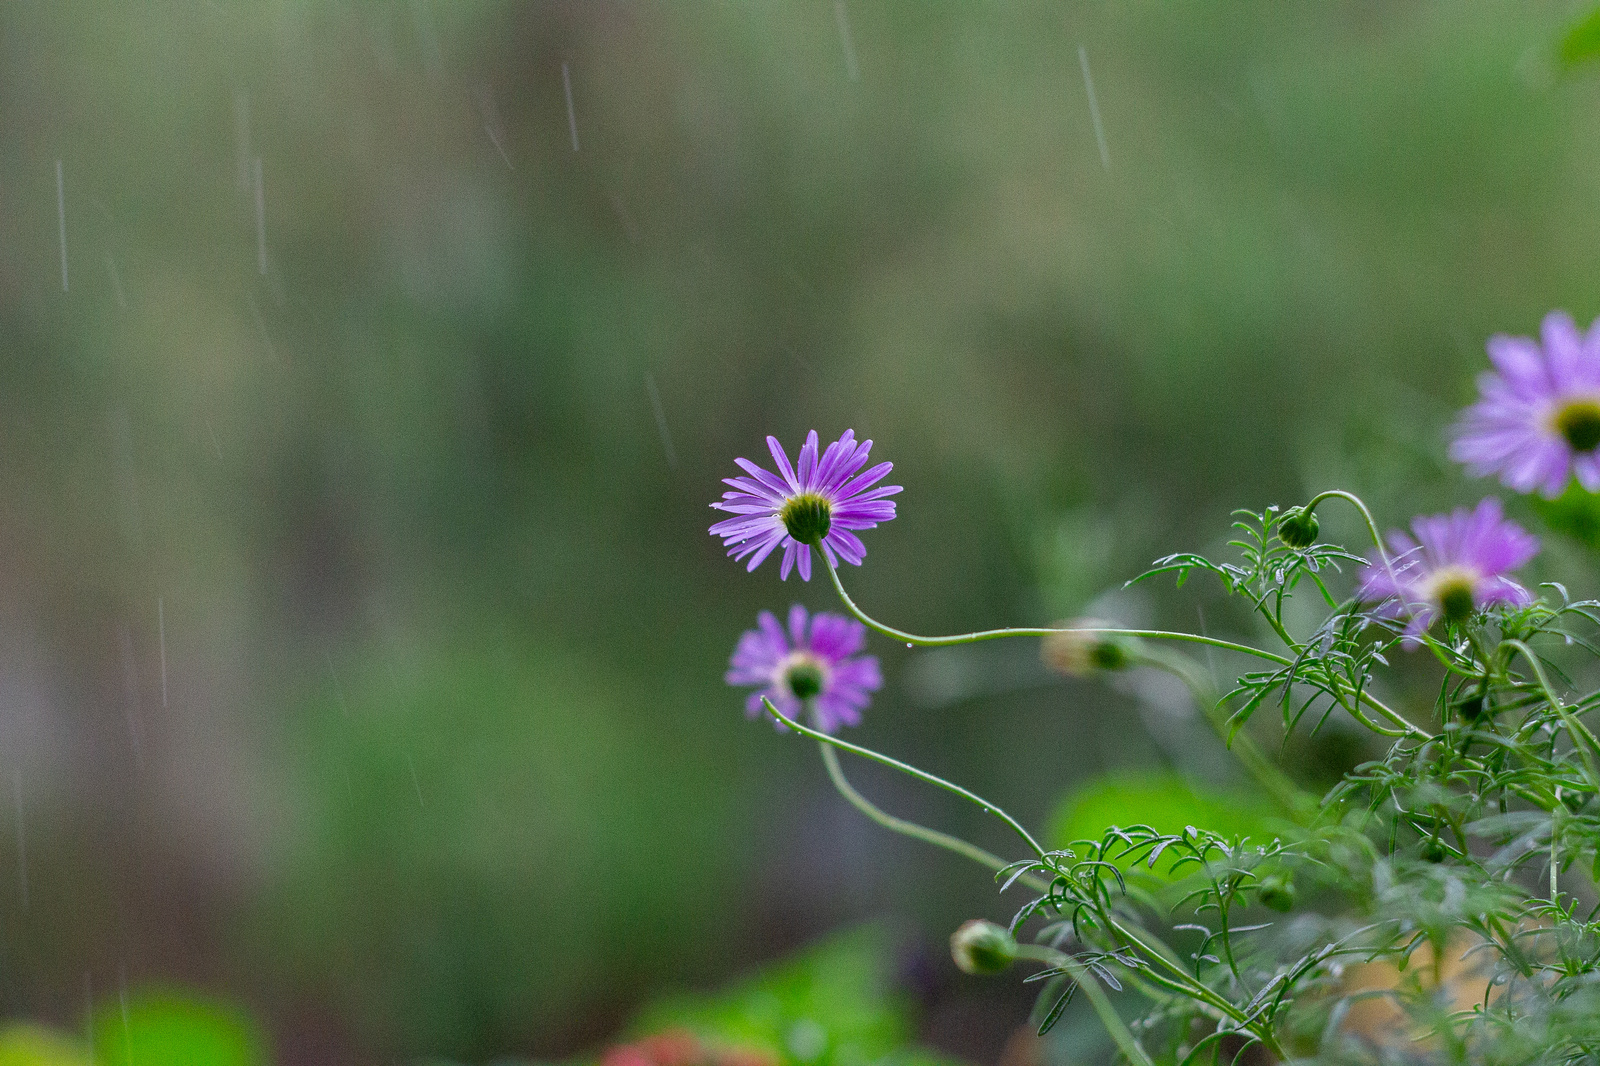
1085	652
1277	892
1298	528
1473	705
981	947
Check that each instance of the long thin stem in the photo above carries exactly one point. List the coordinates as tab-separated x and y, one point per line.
830	759
1148	942
1098	999
1355	501
993	634
1588	747
1152	634
906	768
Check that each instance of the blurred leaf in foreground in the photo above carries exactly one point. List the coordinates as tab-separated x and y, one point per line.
834	1004
175	1029
1582	42
1576	512
1164	802
24	1044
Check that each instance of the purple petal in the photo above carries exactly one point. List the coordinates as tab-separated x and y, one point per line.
781	457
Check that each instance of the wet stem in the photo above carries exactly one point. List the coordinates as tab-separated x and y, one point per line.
1177	980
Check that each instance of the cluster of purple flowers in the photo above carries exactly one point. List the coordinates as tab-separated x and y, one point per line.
1536	425
812	669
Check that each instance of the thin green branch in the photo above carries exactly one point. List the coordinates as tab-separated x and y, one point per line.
1355	501
1151	634
906	768
1098	999
1582	739
830	759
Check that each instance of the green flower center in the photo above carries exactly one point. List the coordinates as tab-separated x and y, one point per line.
1579	422
808	517
1455	598
804	678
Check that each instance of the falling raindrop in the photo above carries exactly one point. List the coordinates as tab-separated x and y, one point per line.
491	121
851	67
572	115
116	282
22	842
61	221
261	324
127	1026
415	783
661	420
161	630
261	221
338	688
1094	109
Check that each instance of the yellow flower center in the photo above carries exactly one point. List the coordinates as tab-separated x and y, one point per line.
1579	422
1452	588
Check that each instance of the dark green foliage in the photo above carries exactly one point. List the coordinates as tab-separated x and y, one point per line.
1473	844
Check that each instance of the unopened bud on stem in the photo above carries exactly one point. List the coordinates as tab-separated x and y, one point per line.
1298	528
1083	651
981	947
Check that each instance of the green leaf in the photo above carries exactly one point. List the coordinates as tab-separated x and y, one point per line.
175	1029
834	1004
1164	802
1582	42
34	1045
1575	512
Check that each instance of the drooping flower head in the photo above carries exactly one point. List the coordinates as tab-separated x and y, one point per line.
813	663
1455	565
1537	422
822	502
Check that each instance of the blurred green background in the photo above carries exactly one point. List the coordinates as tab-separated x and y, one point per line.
361	640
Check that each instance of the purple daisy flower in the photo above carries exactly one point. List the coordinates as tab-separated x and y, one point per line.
1538	419
813	664
820	503
1454	566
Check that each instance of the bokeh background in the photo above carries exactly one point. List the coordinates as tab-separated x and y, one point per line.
368	367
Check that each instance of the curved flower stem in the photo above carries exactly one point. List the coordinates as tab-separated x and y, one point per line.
1098	999
1189	984
905	768
830	759
1354	501
1151	634
1383	555
1582	739
1181	981
992	634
